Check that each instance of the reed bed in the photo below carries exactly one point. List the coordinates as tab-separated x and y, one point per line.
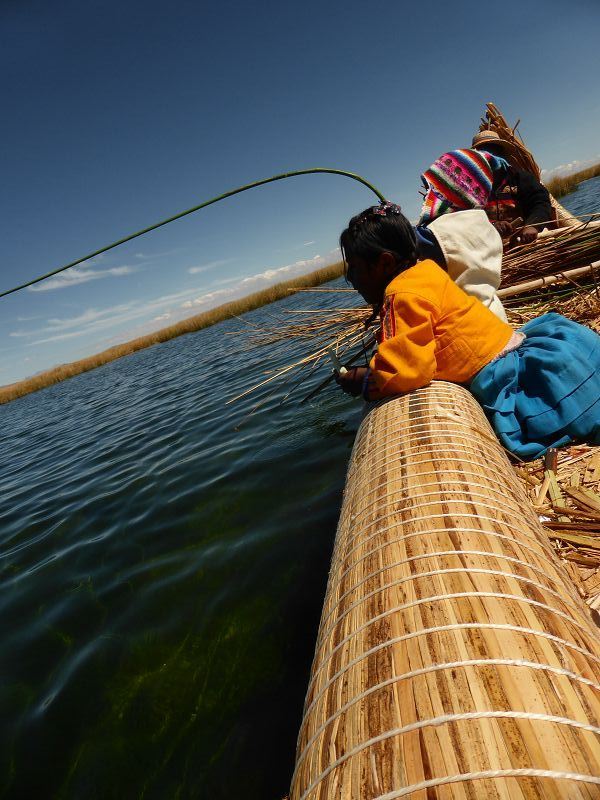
558	187
189	325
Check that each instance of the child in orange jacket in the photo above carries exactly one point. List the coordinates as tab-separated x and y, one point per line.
540	386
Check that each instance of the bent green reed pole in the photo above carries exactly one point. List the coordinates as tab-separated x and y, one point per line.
191	211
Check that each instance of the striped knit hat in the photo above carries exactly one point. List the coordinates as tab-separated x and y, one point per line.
459	180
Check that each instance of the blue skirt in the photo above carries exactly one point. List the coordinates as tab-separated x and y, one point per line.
546	393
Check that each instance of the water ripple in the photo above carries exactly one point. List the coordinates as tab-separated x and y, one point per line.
159	551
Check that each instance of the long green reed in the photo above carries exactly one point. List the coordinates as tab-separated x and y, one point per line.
189	325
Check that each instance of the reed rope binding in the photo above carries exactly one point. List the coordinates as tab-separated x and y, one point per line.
391	498
426	556
430	599
448	571
462	626
473	662
444	720
394	542
322	170
442	517
495	773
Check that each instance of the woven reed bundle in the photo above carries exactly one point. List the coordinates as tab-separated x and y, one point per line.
521	156
567	249
454	658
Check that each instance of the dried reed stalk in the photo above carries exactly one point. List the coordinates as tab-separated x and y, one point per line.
454	658
570	248
341	330
521	156
570	513
547	280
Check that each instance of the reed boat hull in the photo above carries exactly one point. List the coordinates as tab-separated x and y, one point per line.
454	657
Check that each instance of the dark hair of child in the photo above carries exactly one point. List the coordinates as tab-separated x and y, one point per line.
380	229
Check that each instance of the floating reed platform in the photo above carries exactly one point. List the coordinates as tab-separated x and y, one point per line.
454	657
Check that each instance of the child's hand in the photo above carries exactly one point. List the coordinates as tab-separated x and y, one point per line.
352	381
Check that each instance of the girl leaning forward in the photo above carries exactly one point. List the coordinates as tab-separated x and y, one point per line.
539	386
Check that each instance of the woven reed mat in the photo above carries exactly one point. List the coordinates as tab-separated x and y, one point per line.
455	658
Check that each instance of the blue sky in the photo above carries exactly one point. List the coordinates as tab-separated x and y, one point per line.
119	114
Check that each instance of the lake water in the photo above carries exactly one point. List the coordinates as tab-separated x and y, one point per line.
163	559
585	199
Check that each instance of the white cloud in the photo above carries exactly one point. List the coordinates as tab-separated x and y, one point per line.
297	268
87	318
147	315
93	322
76	275
307	243
90	315
267	278
224	281
267	275
207	298
211	265
59	337
563	170
149	256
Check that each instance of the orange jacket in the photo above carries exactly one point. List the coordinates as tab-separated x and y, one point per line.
430	330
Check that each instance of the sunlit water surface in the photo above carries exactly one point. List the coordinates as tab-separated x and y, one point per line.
163	558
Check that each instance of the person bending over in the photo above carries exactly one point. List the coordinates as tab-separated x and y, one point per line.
482	177
516	194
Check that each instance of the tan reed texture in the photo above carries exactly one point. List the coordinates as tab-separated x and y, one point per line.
454	657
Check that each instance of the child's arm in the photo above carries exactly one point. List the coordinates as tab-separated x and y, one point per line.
405	358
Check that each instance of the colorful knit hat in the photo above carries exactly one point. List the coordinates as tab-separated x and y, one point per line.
459	180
